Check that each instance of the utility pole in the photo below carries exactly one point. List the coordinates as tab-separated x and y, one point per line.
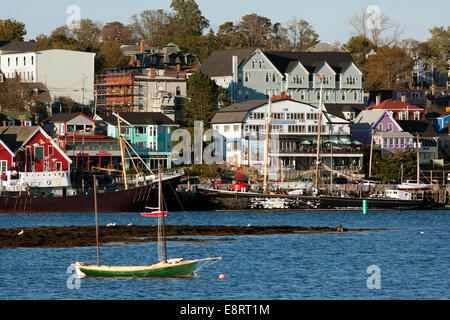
371	151
418	157
266	156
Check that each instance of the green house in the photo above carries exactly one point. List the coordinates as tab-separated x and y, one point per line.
148	133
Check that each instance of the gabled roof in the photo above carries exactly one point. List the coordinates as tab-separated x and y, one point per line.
237	112
17	46
338	108
64	117
141	118
369	116
14	137
220	64
423	127
389	104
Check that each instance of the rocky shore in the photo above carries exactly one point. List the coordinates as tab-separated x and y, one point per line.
83	236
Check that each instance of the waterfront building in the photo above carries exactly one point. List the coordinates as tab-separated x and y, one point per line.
63	72
31	149
148	133
294	125
400	110
254	74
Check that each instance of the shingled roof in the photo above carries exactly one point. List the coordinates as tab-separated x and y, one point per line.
142	118
14	136
237	112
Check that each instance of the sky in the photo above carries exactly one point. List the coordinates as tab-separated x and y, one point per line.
328	17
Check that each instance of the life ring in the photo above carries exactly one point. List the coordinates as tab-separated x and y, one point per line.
14	173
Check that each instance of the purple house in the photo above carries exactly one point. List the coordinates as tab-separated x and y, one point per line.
388	135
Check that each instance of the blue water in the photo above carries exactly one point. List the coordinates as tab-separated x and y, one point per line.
413	261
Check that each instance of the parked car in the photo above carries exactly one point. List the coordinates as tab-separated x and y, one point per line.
340	180
368	183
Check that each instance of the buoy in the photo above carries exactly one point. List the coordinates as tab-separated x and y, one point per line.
364	207
222	276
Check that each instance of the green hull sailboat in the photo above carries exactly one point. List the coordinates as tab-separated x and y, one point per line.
177	267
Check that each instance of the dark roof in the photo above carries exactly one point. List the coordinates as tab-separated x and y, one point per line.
14	137
219	63
337	108
312	61
142	118
64	117
423	127
17	46
236	112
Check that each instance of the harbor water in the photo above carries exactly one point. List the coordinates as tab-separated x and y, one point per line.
409	261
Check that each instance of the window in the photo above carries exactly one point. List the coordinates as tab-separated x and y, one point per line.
351	80
141	145
260	64
417	115
178	91
50	150
253	64
267	77
9	62
246	77
226	128
3	165
298	79
390	127
24	61
17	61
302	95
326	79
39	153
141	130
343	95
32	60
355	95
380	127
274	77
236	127
59	166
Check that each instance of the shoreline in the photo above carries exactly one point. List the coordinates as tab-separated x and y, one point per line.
84	236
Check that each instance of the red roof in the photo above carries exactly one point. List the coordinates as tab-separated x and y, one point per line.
395	105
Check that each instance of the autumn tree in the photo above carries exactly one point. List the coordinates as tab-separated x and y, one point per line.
110	56
153	26
388	69
12	30
14	96
254	30
301	34
116	31
436	50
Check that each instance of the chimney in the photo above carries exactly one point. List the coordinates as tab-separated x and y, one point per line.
142	46
21	123
152	73
403	98
378	99
4	123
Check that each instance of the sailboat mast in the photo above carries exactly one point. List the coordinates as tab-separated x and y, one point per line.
319	131
266	156
96	219
160	205
122	153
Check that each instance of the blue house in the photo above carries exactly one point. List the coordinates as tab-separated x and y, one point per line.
441	121
148	133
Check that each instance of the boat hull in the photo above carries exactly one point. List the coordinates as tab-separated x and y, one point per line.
210	199
131	200
178	270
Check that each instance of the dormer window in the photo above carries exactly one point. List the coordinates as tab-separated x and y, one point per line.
351	80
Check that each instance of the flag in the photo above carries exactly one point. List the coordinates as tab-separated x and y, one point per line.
41	141
320	76
28	147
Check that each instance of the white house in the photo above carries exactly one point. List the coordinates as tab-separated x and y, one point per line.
293	135
64	72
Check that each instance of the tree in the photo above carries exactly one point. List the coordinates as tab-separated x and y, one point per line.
12	30
202	101
301	34
254	30
152	26
110	56
436	50
371	23
188	17
14	96
116	31
359	47
388	69
227	37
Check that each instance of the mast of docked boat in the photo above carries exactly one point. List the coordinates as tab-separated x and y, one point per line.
266	156
122	153
160	208
319	131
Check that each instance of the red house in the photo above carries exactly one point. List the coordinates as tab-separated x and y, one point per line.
33	150
400	110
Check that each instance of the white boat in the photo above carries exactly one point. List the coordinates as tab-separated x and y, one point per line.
414	185
398	194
